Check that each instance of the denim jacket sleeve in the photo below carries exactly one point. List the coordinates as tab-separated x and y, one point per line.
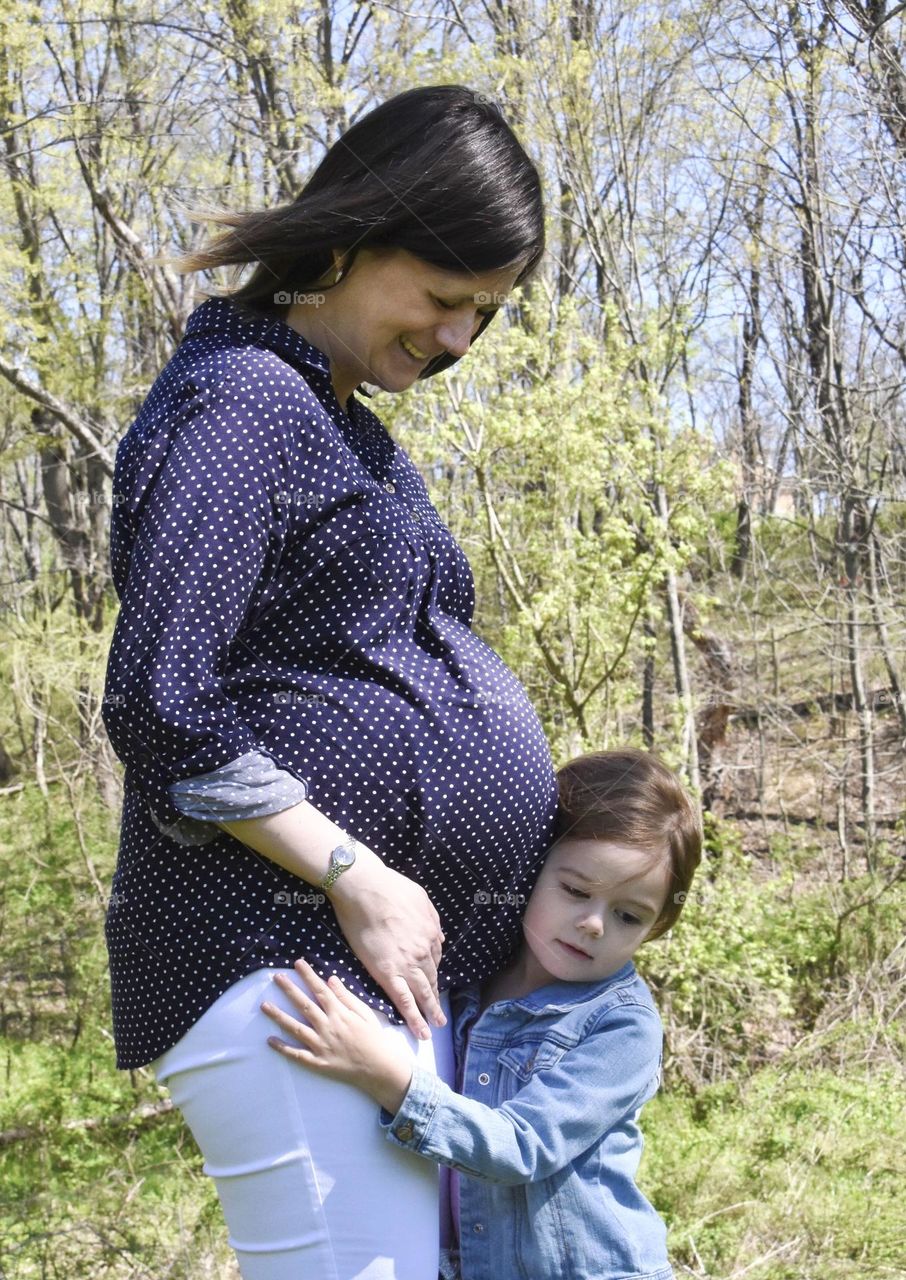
562	1111
207	525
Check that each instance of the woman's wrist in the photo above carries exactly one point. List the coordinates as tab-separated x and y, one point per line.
300	839
353	880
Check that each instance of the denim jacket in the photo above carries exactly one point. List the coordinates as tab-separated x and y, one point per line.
545	1125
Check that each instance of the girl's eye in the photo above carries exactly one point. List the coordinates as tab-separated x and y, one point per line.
573	893
628	918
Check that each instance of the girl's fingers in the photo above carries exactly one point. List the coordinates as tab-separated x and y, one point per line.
300	998
290	1051
298	1030
316	984
308	1009
351	1001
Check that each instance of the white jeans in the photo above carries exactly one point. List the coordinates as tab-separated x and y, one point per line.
310	1187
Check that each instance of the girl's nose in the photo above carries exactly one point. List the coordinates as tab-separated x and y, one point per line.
593	923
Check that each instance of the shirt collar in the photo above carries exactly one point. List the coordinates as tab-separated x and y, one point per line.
220	315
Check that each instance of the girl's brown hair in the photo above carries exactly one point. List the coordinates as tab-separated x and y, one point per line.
633	797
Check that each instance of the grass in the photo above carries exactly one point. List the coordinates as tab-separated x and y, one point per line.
775	1150
785	1175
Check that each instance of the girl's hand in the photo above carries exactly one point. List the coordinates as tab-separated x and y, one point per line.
341	1037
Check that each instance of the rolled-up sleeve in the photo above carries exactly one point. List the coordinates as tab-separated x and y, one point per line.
207	524
250	787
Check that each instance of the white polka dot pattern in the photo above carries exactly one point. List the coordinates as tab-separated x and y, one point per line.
286	587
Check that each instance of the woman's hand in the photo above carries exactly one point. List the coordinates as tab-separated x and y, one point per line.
392	926
387	919
341	1037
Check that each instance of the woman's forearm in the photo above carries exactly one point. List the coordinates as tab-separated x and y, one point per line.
300	840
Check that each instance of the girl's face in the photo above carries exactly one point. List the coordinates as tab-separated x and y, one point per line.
392	313
593	904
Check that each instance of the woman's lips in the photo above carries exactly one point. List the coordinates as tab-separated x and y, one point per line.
420	359
576	951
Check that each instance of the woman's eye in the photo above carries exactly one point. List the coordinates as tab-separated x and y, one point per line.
447	306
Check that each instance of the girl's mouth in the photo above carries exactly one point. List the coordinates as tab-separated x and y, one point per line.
575	950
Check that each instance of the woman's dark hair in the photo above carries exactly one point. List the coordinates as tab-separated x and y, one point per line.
634	798
436	171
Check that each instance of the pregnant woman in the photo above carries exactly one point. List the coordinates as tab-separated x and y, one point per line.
322	759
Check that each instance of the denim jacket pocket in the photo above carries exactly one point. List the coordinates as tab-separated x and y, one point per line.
529	1056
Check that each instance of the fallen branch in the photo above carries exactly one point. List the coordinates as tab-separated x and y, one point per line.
147	1112
877	699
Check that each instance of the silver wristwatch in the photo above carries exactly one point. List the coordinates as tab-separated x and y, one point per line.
341	858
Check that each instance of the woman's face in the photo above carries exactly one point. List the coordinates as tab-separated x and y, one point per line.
392	313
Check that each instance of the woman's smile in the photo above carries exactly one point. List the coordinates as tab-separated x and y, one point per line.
413	351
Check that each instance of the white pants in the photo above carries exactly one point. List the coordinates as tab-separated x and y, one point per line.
310	1187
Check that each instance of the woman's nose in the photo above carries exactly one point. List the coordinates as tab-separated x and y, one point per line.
456	335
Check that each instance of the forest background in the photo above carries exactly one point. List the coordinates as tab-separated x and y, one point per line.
678	467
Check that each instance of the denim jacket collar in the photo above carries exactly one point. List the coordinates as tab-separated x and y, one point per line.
563	996
555	997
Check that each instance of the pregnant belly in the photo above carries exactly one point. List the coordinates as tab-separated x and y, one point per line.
440	764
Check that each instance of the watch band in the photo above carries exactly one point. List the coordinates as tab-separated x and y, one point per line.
341	858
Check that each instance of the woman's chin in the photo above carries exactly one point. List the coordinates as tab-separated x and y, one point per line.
395	380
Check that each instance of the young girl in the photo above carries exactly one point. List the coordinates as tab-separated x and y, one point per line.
556	1054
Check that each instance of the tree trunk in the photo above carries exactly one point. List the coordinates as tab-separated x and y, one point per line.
851	542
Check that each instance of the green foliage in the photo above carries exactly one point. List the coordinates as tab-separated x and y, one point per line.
775	1149
561	464
113	1197
777	1162
781	1173
113	1202
752	958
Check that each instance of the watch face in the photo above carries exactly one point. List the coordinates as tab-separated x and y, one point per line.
344	856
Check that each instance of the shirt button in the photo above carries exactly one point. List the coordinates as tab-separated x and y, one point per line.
478	1227
404	1132
484	1078
390	486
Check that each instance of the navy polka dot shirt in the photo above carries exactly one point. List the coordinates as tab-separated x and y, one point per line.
291	603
